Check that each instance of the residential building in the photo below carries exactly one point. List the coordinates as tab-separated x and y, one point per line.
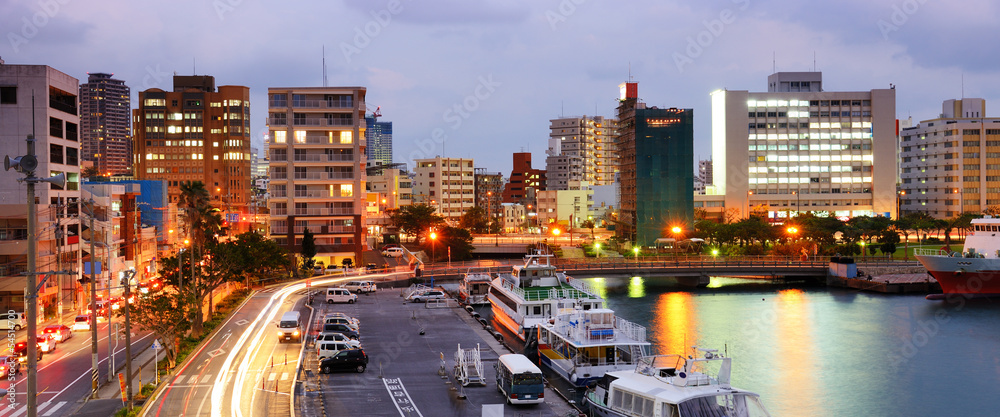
378	141
656	152
703	178
197	133
524	182
514	217
318	169
797	148
948	164
390	190
569	207
41	101
446	183
580	149
105	132
489	192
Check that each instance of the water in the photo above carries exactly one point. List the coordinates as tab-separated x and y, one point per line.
815	351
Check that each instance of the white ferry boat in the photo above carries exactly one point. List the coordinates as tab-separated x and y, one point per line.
474	288
582	345
672	385
975	270
535	292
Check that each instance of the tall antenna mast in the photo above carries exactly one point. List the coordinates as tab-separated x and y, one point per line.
963	84
324	66
774	61
814	61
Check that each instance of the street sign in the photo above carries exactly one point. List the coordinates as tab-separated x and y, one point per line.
157	345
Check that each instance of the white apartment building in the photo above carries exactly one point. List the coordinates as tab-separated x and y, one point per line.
950	165
567	207
39	100
446	183
317	169
514	217
581	148
798	148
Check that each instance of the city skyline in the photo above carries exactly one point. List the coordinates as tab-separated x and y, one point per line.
490	76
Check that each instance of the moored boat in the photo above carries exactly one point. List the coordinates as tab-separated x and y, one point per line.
474	288
582	345
535	292
672	385
975	270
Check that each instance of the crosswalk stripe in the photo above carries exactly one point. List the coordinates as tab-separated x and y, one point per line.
53	409
206	378
271	378
20	411
284	376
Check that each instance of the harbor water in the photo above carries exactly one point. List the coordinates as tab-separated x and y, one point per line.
810	350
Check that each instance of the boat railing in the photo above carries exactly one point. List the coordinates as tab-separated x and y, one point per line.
512	287
584	286
631	330
930	252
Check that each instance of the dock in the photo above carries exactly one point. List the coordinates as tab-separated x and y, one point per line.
890	283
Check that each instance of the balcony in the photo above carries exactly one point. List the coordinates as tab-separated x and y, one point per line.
323	212
324	158
322	104
324	175
312	194
279	121
323	122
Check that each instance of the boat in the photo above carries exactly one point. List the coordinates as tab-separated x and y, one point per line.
535	292
974	271
582	345
474	287
672	385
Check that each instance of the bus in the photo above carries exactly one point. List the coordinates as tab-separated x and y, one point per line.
519	380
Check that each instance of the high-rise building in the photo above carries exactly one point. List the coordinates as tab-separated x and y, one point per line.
318	169
580	149
378	141
446	183
703	178
947	163
197	133
524	182
656	152
105	132
41	101
797	148
489	192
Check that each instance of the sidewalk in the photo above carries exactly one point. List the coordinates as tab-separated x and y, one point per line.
109	394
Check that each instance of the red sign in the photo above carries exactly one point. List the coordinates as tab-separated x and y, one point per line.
121	381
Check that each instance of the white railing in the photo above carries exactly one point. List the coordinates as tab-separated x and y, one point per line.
512	287
585	287
324	176
631	330
324	158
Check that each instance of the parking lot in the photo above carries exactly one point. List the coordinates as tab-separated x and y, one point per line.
403	374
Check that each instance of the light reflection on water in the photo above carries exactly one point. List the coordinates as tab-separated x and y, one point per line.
812	350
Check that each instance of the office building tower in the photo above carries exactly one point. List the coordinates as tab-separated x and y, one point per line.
105	132
580	149
378	141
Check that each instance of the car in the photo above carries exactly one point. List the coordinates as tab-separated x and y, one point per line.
360	286
343	320
390	246
340	295
81	323
59	332
422	297
9	365
46	342
337	337
21	351
331	269
341	328
345	360
13	321
149	286
393	252
329	349
353	320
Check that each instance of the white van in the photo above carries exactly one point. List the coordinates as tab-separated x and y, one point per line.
290	327
12	320
328	349
340	295
360	286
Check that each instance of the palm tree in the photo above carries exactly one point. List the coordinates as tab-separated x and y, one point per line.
200	218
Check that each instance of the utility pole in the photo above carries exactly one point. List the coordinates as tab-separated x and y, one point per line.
32	299
93	304
59	279
128	338
107	305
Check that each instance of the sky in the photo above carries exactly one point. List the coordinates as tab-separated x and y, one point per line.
488	75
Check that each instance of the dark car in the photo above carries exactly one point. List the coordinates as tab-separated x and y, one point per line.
21	351
9	366
345	360
341	328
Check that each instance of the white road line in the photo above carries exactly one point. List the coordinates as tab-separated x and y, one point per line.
206	378
53	409
395	386
284	376
20	411
271	377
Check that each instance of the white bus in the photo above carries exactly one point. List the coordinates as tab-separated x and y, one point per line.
519	380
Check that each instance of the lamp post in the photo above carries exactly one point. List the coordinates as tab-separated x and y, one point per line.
597	249
635	250
433	248
677	230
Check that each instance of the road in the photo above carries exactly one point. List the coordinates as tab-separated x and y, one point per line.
64	375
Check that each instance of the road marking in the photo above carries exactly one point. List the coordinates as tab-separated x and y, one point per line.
284	376
53	409
400	398
216	352
271	378
242	322
206	378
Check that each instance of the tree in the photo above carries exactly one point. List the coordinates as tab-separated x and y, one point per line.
90	172
347	262
257	257
415	220
588	224
476	220
164	314
308	248
458	239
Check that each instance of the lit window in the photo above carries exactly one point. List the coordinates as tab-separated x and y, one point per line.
346	190
346	136
279	136
215	157
300	136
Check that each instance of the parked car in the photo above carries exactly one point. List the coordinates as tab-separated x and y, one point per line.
346	360
15	321
393	252
8	363
340	295
330	269
337	337
330	320
360	286
341	328
339	314
422	297
81	323
21	350
59	332
46	342
329	349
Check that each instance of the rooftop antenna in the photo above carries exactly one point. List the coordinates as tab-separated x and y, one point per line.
774	62
963	84
562	108
630	71
324	66
814	61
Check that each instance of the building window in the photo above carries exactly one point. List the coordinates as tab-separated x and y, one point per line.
72	156
56	154
55	127
8	95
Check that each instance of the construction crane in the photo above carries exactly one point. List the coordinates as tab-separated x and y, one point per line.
377	113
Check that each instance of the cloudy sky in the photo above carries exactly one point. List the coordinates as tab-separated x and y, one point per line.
490	74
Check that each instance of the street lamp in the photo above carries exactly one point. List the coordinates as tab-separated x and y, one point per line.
676	230
792	230
635	250
433	248
597	249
